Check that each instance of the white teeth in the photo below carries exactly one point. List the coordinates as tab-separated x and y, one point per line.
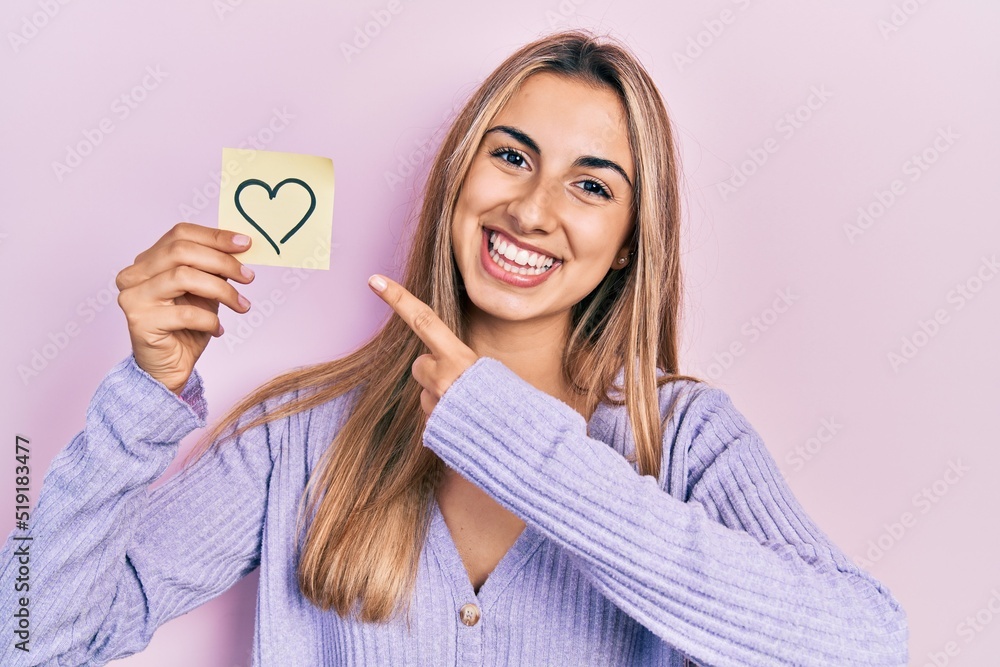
519	256
538	263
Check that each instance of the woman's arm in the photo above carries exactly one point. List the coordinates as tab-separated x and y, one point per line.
738	576
111	561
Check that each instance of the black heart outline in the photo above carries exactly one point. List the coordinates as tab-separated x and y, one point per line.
272	193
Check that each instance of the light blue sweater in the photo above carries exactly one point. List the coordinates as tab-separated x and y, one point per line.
716	560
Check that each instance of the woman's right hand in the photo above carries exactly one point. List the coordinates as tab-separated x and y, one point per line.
171	297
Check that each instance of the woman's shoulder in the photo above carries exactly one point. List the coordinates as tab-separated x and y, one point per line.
696	406
679	393
682	399
706	426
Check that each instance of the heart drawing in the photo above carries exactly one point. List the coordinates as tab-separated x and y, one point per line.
272	193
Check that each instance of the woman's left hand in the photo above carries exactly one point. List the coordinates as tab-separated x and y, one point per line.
449	356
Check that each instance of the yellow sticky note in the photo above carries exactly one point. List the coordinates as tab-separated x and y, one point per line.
283	201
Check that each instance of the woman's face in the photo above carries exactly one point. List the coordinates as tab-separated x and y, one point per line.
550	184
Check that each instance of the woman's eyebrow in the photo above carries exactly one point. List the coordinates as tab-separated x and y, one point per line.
583	161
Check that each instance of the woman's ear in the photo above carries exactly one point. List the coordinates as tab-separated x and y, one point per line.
626	252
621	259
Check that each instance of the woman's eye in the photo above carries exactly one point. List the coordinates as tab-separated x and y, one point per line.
513	157
509	155
598	190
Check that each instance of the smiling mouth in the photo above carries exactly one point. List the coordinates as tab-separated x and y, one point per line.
516	260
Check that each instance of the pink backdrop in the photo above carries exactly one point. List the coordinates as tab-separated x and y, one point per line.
841	240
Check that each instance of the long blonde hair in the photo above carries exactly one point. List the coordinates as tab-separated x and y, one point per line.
368	500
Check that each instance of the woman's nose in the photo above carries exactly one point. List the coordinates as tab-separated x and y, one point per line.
534	206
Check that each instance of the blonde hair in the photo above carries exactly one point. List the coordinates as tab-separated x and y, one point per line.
368	500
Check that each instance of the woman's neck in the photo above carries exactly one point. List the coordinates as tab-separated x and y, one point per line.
533	351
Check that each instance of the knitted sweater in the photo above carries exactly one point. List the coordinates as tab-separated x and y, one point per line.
714	561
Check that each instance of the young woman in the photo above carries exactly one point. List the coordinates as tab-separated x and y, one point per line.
511	472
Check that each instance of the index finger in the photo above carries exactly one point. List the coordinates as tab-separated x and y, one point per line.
204	248
213	237
418	315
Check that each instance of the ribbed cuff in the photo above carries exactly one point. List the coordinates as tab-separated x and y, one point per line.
142	409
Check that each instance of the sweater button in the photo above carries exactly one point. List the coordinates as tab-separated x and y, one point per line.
469	613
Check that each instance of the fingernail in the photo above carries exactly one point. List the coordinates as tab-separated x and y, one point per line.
377	282
241	239
221	330
243	301
246	271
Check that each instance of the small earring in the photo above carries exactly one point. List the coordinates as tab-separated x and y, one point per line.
621	260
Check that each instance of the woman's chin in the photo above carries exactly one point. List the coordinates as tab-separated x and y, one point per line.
495	304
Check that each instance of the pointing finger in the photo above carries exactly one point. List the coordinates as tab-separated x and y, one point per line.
420	317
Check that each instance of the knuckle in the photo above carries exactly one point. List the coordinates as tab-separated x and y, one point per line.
186	316
178	249
180	272
177	231
423	319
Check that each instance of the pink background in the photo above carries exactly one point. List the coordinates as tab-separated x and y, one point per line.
892	76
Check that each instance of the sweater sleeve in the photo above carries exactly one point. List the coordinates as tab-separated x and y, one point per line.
109	560
737	576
